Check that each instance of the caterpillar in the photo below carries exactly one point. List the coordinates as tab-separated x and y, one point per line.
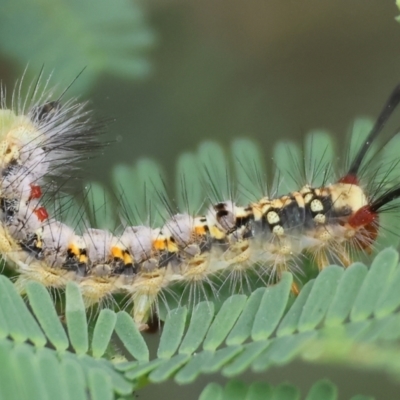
40	137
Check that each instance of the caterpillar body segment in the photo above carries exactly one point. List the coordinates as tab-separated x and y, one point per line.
267	236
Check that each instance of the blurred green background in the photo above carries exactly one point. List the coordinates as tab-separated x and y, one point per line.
173	73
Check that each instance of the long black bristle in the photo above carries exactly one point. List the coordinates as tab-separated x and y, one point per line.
389	107
385	199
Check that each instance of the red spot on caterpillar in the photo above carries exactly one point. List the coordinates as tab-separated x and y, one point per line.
364	216
41	213
36	192
350	179
368	220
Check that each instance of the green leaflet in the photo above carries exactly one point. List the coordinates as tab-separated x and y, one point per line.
105	38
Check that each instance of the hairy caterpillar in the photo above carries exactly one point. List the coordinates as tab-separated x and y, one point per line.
40	135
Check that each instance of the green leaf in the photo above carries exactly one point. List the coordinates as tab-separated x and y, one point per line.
100	211
346	294
191	194
322	390
51	375
271	308
75	314
389	300
133	341
194	367
100	385
212	392
242	329
248	162
69	35
235	390
117	381
259	391
172	333
25	367
43	308
223	322
201	319
319	298
282	350
103	330
168	368
74	377
220	358
374	284
286	391
290	321
9	390
244	360
21	324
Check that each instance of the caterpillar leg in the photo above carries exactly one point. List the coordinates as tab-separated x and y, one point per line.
144	296
295	289
94	290
344	257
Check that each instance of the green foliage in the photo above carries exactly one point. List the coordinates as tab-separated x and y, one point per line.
68	35
236	390
349	316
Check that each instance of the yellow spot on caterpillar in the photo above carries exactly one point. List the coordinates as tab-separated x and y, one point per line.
39	242
308	197
74	249
320	219
299	199
278	230
127	258
345	195
281	202
316	206
261	208
273	217
217	233
172	247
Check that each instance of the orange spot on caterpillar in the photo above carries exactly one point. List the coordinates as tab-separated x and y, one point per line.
117	252
73	249
200	230
41	213
36	192
350	179
159	244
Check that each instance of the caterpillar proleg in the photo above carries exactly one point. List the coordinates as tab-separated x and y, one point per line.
41	135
